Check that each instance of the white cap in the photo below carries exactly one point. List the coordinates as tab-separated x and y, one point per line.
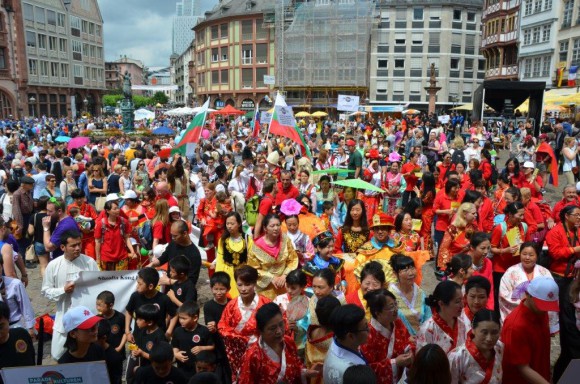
578	186
112	197
79	318
133	241
529	164
174	209
129	194
544	291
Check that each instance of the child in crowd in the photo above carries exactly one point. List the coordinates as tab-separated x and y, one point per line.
205	361
302	244
161	370
212	311
324	243
80	326
16	346
295	305
116	320
183	289
113	357
190	339
327	212
147	335
146	293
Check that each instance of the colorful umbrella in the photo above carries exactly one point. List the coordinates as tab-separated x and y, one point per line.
332	171
163	131
358	184
319	114
62	139
302	114
411	112
78	142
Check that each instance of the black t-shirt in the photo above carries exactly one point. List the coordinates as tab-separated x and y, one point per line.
212	311
17	351
114	361
190	251
146	375
185	340
94	353
113	183
117	323
184	291
146	341
166	307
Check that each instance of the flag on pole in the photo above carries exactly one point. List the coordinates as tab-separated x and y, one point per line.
559	76
572	75
193	133
256	123
284	124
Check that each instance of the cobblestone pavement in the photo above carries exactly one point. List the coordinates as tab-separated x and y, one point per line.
42	305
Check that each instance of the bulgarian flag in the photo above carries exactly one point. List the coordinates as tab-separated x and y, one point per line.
193	133
284	124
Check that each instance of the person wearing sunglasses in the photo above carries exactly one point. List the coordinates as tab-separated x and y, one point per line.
51	189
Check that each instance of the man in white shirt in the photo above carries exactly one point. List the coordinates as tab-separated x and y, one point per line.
351	330
473	151
58	283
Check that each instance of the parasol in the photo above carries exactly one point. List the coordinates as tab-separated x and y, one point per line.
62	139
78	142
358	184
332	171
319	114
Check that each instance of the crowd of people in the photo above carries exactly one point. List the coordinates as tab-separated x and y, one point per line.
309	280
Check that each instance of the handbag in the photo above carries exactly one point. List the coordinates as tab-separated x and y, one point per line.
100	203
30	254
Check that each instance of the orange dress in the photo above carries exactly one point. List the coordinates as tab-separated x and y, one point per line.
455	241
428	215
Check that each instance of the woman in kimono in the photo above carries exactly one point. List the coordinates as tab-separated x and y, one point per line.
395	185
445	327
479	360
479	248
300	241
515	280
324	243
237	326
389	348
372	277
427	196
413	311
274	257
319	337
340	212
274	358
477	290
456	237
323	284
404	233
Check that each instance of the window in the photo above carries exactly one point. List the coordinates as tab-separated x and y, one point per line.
401	14
214	55
468	64
546	66
528	8
86	51
77	70
399	41
400	63
98	30
481	65
567	15
215	77
528	68
576	52
41	41
28	11
398	87
536	67
454	63
224	53
418	14
52	42
54	69
75	26
456	15
247	29
547	5
39	15
247	56
32	67
63	70
382	86
535	35
224	31
43	68
383	64
99	52
435	38
91	28
85	26
537	6
546	32
51	17
60	20
471	17
416	62
62	45
261	53
564	50
31	39
224	76
3	58
527	36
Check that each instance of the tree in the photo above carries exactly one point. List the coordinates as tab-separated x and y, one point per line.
159	97
111	100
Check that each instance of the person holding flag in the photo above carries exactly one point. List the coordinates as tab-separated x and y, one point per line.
192	134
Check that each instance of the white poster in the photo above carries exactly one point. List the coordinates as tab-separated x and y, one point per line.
269	80
348	103
265	117
285	116
89	284
443	119
94	372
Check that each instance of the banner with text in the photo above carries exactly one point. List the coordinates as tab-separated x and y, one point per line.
89	284
348	103
285	116
94	372
265	117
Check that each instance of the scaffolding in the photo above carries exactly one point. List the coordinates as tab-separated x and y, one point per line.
323	43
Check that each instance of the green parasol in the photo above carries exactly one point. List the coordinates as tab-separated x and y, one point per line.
332	171
358	184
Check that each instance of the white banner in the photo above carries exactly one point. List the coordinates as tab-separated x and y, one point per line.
269	80
443	119
90	284
265	117
285	116
348	103
154	88
94	372
73	106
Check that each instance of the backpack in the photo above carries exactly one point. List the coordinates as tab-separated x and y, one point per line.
57	171
104	227
251	209
145	234
494	175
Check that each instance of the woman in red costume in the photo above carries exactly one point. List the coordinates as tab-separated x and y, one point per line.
207	216
238	323
88	211
456	238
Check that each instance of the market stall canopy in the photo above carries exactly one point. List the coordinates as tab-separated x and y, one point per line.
319	114
144	114
163	131
302	114
229	110
381	108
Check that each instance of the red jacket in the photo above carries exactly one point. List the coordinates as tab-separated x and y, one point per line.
486	170
560	205
485	215
560	249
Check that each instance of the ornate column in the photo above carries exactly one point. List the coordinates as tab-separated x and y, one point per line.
432	89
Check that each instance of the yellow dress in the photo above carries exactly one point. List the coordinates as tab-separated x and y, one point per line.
368	252
231	256
270	266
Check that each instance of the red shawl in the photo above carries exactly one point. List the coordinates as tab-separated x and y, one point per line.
545	148
486	365
451	332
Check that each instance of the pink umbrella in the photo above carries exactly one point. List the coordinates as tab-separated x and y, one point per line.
78	142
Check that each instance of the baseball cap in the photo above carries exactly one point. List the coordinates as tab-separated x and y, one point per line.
129	194
112	197
174	209
529	164
79	318
544	292
350	142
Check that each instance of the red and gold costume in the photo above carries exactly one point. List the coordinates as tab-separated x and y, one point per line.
428	214
88	236
383	346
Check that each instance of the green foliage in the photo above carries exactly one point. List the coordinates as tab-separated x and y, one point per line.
141	101
111	100
159	97
138	101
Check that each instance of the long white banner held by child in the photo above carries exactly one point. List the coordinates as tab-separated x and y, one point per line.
94	372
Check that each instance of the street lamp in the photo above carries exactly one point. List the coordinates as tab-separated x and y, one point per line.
86	103
31	101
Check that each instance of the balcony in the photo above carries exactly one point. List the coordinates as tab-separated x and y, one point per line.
503	72
500	38
247	60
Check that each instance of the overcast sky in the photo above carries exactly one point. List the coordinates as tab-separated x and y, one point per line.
140	29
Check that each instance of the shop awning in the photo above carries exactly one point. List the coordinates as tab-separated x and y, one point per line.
381	108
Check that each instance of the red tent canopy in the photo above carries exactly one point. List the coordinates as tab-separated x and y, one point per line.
228	110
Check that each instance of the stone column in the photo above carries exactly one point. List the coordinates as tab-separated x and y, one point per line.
432	89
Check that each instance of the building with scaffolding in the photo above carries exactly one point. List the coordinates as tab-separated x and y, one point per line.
322	49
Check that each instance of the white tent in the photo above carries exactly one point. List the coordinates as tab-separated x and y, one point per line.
143	114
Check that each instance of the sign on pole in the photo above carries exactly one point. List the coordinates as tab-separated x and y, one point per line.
265	117
348	103
269	80
285	116
94	372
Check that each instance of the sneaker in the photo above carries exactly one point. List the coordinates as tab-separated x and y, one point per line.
30	265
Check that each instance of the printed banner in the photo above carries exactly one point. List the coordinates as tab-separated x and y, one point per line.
88	285
94	372
266	117
348	103
285	116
